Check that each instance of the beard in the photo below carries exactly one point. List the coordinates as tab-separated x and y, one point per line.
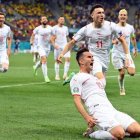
44	23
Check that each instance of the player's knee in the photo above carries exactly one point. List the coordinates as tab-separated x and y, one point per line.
122	72
120	135
131	73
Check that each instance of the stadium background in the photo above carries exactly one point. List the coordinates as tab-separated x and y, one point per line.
23	15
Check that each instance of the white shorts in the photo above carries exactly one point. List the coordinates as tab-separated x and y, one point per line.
57	52
4	57
111	120
34	49
44	51
107	116
118	61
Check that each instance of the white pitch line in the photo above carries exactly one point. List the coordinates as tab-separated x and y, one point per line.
40	83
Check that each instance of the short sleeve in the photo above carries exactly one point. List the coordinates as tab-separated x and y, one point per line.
9	32
35	31
54	30
75	86
116	32
80	34
67	31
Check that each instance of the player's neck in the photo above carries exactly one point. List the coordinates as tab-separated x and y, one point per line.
1	25
97	25
122	23
44	26
84	70
60	25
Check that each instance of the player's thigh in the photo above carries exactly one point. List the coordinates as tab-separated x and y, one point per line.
131	66
47	53
4	60
124	119
57	53
117	61
35	49
106	121
67	55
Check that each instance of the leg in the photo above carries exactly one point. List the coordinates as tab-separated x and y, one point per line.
4	62
134	129
118	132
57	77
44	68
131	71
121	81
131	68
98	134
66	67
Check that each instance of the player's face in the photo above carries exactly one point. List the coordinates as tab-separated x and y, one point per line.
98	15
61	20
87	61
122	17
2	19
44	20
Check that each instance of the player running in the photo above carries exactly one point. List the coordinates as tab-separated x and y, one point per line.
5	39
59	40
118	55
98	36
44	33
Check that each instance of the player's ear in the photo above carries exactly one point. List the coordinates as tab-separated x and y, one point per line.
91	15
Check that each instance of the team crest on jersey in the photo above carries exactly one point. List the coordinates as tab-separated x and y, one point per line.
75	89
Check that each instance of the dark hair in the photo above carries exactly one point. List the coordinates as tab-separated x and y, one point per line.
79	53
43	16
96	6
2	14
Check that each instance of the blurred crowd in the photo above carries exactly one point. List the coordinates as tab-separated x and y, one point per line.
23	18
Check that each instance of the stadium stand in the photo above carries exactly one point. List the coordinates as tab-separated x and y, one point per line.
24	17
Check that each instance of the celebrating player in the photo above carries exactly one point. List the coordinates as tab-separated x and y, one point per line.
88	89
118	55
98	36
44	33
5	38
59	40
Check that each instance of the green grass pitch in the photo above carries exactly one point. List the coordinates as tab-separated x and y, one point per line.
33	110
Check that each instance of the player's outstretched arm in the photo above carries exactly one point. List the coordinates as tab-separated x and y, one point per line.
68	47
134	43
126	50
9	42
89	119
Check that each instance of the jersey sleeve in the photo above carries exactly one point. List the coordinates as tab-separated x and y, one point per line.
132	32
54	30
116	32
35	31
80	34
9	32
67	31
75	86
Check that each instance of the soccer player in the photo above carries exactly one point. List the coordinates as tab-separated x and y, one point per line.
34	48
98	36
89	90
5	38
118	55
59	40
44	33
